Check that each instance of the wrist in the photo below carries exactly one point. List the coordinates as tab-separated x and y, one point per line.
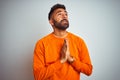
63	60
71	59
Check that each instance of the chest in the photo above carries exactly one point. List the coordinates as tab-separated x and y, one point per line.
52	50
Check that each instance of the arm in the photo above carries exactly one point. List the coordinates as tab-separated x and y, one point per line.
42	71
83	64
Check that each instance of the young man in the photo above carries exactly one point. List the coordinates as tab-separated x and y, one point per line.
60	55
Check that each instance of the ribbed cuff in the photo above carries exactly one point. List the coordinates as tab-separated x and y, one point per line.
77	64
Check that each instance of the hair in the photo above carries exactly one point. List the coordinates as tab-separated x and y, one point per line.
54	7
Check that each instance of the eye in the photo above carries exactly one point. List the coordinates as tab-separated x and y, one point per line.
66	14
59	14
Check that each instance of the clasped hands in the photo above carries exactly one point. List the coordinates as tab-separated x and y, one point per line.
65	53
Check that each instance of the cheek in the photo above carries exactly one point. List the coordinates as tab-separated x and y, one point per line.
58	19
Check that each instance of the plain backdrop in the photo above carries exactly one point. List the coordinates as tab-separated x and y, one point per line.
24	22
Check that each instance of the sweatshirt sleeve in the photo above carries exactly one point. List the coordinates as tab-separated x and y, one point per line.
83	63
40	70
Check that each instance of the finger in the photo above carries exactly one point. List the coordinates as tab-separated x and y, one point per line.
66	41
64	47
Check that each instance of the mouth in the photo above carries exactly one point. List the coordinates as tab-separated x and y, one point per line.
64	20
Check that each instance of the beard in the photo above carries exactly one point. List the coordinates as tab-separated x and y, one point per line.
62	25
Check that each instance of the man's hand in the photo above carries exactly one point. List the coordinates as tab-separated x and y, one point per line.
70	58
63	55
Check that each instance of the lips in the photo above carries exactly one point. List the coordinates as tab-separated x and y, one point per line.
64	20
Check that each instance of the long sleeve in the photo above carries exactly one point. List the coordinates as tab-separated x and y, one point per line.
46	59
83	63
42	71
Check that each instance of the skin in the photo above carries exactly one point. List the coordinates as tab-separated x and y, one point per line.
57	16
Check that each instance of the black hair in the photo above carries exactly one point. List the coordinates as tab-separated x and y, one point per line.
54	7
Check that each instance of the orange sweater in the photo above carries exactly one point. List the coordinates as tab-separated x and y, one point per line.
46	63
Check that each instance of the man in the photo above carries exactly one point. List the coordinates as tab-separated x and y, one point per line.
60	55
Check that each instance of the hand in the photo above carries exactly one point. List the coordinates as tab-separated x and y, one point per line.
63	55
70	58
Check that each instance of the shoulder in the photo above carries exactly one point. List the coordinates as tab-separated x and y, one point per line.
44	39
75	37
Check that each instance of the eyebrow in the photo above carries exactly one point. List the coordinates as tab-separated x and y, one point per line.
61	11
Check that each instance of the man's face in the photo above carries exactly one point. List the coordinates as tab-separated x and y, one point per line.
60	19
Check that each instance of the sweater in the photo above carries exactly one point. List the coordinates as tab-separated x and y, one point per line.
46	60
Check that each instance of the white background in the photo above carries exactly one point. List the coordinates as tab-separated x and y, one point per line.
23	22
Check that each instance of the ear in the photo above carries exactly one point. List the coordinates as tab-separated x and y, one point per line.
51	22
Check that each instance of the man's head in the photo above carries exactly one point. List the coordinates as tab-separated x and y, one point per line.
58	17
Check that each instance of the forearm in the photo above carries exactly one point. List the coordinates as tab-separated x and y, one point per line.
79	66
45	72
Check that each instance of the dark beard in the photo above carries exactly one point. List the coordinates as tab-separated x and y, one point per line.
61	25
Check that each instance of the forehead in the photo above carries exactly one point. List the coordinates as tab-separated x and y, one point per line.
59	10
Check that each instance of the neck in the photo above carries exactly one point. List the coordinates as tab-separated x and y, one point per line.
60	33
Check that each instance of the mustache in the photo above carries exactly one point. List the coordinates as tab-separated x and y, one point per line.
64	20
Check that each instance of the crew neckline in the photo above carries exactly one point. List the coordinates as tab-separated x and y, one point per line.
60	37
